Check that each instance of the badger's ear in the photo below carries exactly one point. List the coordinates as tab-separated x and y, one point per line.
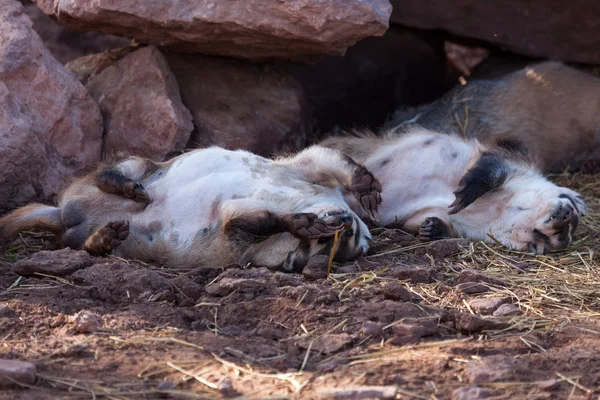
488	173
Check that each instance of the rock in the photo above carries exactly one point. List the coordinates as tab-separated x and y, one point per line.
50	129
544	29
226	286
497	368
507	310
471	275
363	392
256	30
87	322
471	287
86	67
7	311
166	385
470	393
395	291
13	372
403	340
65	44
370	328
487	305
403	67
467	323
416	328
237	105
328	343
143	113
316	268
58	263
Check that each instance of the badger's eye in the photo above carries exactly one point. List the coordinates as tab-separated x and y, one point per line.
350	232
323	240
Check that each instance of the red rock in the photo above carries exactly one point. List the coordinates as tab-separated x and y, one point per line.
370	328
497	368
13	371
50	129
487	305
253	29
58	263
507	310
471	287
417	328
539	28
87	322
139	99
467	323
238	105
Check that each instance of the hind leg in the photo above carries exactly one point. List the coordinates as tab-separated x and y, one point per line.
106	239
124	178
429	224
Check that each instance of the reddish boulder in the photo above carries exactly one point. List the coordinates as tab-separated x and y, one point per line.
237	105
143	113
250	29
50	129
539	28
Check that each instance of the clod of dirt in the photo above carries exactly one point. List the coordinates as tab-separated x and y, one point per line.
316	268
418	328
225	387
549	385
441	249
370	328
471	287
329	343
87	322
389	311
414	274
403	340
487	305
471	275
507	310
497	368
359	393
394	291
7	311
166	385
470	393
467	323
187	288
58	263
13	372
347	269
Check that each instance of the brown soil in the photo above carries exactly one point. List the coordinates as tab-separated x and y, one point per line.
398	317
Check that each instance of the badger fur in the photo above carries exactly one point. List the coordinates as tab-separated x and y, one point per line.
213	207
437	185
548	111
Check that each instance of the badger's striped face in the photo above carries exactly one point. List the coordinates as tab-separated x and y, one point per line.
353	240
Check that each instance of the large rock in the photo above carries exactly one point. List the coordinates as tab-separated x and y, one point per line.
50	129
238	105
248	29
550	29
66	44
143	113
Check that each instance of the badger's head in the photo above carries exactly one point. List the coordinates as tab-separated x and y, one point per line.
513	203
353	240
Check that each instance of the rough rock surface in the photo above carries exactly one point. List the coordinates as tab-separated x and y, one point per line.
538	28
65	44
139	99
238	105
50	129
58	263
249	29
496	368
13	372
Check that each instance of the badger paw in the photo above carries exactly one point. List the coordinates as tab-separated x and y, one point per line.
106	239
309	226
136	192
367	190
432	229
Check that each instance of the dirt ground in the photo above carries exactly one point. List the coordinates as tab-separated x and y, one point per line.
411	319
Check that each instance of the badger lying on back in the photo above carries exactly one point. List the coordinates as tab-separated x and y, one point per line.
214	207
548	111
437	185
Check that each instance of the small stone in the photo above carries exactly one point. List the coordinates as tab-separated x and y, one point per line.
487	305
471	275
470	393
415	328
166	385
316	268
507	310
13	371
7	311
402	340
86	322
467	323
496	368
370	328
471	287
394	291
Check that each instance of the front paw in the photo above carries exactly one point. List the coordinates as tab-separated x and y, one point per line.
432	229
310	226
367	190
137	193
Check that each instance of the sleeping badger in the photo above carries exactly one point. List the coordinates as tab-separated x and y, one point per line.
213	207
437	186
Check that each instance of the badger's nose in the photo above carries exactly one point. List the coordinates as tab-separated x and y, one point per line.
563	217
345	221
